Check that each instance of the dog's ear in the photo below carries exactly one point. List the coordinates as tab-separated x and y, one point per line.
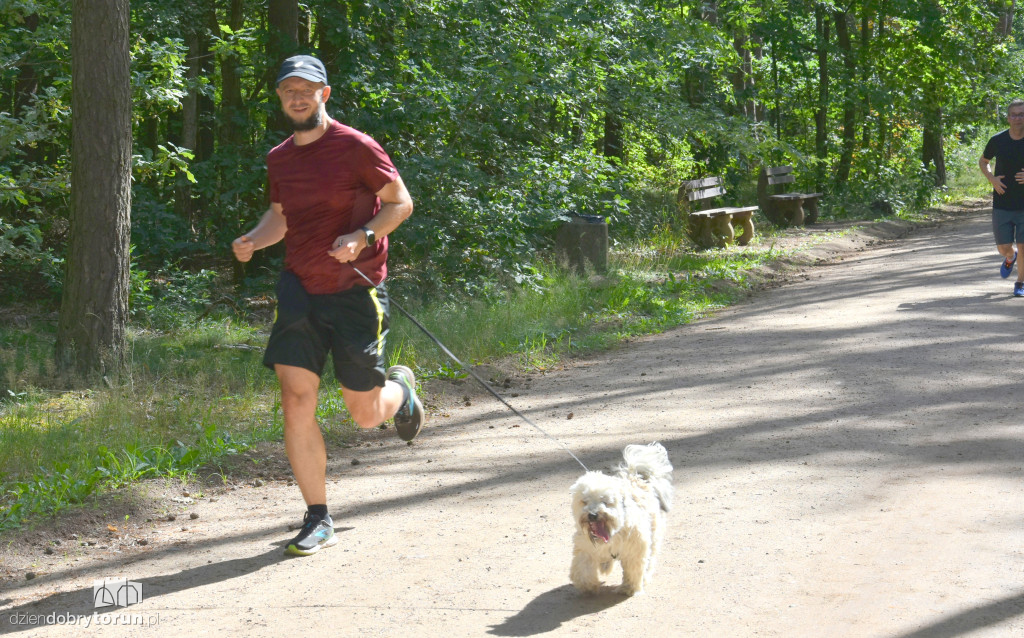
664	494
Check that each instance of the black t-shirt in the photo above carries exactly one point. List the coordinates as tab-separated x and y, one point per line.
1009	155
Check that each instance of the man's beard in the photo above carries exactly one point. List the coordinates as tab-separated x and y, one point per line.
308	124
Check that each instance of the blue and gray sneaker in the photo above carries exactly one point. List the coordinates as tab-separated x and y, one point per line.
1007	266
316	533
409	418
1018	289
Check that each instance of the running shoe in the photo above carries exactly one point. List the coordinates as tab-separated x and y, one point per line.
1018	289
1006	268
316	533
409	418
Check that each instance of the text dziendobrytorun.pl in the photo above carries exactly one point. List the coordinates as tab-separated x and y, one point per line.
85	620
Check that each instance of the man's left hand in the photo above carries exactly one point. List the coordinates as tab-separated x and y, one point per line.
347	247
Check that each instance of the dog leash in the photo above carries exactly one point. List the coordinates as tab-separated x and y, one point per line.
473	374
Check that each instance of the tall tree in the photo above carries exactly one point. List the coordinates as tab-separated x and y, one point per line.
94	307
821	112
1006	10
232	109
282	41
932	149
842	22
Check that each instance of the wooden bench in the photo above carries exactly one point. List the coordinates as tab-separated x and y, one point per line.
715	227
782	208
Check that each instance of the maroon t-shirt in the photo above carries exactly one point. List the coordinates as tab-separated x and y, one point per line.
326	189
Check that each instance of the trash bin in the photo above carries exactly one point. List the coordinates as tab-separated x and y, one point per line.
583	243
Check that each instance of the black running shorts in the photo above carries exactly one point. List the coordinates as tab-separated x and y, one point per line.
352	325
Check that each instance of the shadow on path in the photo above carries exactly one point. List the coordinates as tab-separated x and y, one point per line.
79	603
551	609
971	620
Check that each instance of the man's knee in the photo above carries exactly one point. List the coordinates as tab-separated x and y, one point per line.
299	386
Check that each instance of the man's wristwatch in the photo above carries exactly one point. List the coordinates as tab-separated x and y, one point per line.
371	237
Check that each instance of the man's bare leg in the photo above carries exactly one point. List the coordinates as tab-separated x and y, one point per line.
303	441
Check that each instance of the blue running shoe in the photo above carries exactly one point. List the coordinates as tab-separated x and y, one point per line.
1018	289
316	533
409	418
1006	268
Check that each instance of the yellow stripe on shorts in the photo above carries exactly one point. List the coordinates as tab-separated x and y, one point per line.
380	321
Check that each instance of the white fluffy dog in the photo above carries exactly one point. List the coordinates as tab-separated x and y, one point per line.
621	517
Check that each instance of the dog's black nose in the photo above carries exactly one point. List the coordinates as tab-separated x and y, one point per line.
592	516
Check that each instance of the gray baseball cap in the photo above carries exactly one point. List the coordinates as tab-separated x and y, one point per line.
303	66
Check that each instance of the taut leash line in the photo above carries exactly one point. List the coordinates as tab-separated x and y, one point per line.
469	370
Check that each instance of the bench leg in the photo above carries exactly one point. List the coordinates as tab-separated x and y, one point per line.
810	210
723	230
773	211
746	221
789	212
700	232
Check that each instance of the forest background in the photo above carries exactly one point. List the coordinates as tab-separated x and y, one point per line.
504	118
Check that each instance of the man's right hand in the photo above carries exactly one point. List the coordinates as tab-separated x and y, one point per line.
997	184
243	248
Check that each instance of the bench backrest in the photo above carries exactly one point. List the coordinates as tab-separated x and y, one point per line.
778	175
772	181
698	189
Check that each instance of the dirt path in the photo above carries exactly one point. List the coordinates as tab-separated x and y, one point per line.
849	459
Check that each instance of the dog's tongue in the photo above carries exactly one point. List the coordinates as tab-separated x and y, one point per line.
598	530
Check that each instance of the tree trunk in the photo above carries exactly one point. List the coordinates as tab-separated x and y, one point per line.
189	125
932	151
612	133
232	113
283	27
743	78
849	96
1005	26
612	146
882	143
94	307
304	34
206	138
190	103
821	113
865	58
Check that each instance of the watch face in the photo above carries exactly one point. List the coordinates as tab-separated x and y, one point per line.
371	237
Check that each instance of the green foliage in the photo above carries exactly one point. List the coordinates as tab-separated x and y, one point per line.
28	270
171	298
504	118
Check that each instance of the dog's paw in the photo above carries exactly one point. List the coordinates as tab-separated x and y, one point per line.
629	590
589	588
